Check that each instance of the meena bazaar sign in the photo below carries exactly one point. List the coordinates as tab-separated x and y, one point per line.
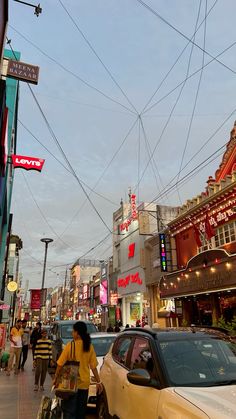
27	163
132	278
23	71
134	214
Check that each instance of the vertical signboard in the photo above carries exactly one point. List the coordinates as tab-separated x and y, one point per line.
35	300
163	254
2	336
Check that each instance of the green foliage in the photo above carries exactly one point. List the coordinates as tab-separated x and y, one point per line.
230	326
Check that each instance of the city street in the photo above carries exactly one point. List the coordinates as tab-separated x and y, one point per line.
18	400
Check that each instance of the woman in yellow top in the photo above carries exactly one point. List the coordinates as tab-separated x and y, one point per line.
75	407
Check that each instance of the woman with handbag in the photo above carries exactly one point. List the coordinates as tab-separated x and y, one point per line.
80	354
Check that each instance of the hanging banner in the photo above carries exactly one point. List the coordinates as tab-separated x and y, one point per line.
35	299
23	71
2	336
27	163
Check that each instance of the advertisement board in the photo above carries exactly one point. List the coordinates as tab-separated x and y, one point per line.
35	299
135	311
103	292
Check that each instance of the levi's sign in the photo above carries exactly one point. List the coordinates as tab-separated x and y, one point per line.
27	163
23	71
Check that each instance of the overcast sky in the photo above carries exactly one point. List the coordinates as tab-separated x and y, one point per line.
138	49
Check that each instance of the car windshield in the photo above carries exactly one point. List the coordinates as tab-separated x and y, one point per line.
102	344
199	362
66	330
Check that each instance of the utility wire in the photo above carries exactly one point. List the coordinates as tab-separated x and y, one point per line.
96	54
195	101
189	77
183	35
178	58
176	101
58	63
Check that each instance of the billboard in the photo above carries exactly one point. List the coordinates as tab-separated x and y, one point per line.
103	292
35	299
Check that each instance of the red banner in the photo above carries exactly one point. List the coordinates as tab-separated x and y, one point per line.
27	163
2	336
35	300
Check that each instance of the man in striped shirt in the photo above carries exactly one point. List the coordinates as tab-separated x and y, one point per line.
42	357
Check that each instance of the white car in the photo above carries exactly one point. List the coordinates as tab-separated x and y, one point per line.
102	343
169	374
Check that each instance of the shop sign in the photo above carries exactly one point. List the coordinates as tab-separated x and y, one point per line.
113	299
163	255
23	71
103	292
131	250
134	214
4	307
85	292
35	300
2	336
27	163
132	278
135	311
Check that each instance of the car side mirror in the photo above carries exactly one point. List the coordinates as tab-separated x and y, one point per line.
141	377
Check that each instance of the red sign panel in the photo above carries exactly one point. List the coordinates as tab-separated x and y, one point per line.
35	302
124	282
131	250
27	163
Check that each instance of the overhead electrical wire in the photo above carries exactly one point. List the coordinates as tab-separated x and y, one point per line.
75	23
195	101
71	72
176	101
178	58
183	35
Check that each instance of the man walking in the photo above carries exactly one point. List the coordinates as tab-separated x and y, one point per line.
16	347
35	336
25	345
42	357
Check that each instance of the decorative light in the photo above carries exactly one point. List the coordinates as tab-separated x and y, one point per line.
216	260
178	279
228	265
213	269
197	273
171	284
186	276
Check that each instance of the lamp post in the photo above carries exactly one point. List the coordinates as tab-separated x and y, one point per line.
45	240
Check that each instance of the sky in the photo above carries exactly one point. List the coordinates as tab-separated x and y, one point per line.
101	61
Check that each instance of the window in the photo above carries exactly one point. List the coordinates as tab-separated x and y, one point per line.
141	356
225	234
121	349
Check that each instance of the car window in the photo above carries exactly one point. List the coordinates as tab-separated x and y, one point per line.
102	344
66	330
199	362
141	356
121	350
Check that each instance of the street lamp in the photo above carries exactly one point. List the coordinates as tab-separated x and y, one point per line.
45	240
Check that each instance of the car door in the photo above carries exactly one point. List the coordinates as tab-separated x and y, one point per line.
116	370
142	401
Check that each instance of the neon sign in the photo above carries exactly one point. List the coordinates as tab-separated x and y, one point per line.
163	254
133	279
131	250
134	214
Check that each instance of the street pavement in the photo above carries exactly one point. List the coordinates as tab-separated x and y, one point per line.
17	397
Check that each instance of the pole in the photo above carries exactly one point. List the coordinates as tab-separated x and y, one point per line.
46	241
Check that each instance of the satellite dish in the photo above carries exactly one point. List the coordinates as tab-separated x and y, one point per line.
12	286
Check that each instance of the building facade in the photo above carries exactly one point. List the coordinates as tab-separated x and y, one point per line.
203	236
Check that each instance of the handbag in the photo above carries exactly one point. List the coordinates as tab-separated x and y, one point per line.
45	408
68	380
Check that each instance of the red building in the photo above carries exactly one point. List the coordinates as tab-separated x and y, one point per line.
203	237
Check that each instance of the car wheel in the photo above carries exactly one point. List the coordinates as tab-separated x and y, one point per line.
102	407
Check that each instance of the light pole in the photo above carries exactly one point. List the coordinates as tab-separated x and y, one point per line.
45	240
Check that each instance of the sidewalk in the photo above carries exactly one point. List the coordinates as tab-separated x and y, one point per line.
17	397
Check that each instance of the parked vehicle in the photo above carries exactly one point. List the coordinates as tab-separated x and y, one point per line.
61	334
169	374
102	343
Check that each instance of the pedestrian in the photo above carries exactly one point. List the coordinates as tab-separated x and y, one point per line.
4	360
110	328
42	357
117	328
25	345
35	336
127	326
85	354
16	347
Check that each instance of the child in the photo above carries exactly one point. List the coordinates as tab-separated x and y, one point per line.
4	360
42	357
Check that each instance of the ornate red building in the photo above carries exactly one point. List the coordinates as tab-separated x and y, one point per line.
203	238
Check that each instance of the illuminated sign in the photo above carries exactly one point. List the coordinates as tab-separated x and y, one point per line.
133	279
163	255
27	163
131	250
134	214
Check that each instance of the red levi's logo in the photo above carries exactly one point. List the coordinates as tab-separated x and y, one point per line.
27	163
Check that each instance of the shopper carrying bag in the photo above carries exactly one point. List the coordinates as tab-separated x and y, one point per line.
85	357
